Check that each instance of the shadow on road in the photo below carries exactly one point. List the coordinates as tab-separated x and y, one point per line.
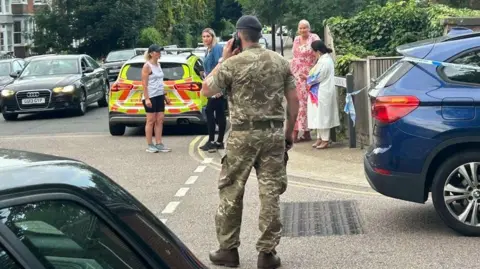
419	219
51	115
173	130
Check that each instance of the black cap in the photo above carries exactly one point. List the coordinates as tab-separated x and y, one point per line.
249	22
155	48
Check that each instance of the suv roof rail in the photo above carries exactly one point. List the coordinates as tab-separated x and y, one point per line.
182	50
179	49
134	56
461	36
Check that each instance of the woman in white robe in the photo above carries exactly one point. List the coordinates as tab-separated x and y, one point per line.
322	104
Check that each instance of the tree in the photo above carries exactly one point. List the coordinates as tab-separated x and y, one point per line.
110	24
472	4
101	25
53	25
149	36
181	21
226	12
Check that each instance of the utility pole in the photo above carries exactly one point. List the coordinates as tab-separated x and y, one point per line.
273	38
281	39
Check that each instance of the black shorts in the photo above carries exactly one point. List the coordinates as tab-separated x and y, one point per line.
158	104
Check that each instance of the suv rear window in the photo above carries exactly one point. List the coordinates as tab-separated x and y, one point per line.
392	74
171	71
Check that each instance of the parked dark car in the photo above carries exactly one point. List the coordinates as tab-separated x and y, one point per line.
427	130
61	213
115	60
57	82
7	67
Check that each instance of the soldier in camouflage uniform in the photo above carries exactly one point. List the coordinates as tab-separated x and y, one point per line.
256	80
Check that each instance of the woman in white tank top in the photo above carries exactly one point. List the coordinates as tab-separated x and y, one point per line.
154	99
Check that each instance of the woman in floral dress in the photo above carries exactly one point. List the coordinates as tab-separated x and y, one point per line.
303	60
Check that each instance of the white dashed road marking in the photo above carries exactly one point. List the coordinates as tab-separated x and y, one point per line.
170	207
191	180
181	192
207	160
200	169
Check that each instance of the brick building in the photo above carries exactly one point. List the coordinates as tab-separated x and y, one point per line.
17	24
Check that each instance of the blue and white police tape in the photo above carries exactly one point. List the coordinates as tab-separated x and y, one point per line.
438	63
350	108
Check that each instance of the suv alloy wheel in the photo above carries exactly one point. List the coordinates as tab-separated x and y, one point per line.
456	192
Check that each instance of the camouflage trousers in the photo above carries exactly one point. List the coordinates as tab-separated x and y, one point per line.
263	150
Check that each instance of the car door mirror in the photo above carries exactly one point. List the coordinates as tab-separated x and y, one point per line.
14	74
88	69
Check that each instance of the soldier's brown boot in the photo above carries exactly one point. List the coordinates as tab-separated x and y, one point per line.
268	260
225	257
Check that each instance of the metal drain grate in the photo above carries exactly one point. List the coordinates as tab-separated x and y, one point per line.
320	218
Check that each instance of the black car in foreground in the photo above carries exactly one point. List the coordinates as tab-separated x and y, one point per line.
61	213
56	82
116	58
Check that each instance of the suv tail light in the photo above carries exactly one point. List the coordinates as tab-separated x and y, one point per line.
388	109
121	87
188	87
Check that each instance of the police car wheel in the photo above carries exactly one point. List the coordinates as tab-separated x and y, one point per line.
116	129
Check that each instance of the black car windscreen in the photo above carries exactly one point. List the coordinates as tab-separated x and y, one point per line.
120	55
47	67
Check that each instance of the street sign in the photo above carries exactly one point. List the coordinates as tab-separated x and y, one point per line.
341	82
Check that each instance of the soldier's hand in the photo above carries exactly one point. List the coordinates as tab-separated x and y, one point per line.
288	143
227	50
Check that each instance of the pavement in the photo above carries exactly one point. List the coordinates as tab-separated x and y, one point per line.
331	217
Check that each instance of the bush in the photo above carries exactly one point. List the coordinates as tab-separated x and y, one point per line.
149	36
228	29
378	30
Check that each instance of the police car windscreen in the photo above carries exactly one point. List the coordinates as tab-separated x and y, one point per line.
171	71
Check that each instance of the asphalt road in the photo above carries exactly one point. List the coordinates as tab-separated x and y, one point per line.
343	227
95	121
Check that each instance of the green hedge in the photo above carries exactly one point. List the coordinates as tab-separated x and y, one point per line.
378	30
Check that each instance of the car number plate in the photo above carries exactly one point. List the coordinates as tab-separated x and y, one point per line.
31	101
115	71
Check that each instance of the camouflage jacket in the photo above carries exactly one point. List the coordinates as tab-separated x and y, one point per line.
255	81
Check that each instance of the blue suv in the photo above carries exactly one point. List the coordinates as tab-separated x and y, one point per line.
427	130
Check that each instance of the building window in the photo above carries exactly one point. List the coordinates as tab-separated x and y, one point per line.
9	37
8	6
2	41
17	32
